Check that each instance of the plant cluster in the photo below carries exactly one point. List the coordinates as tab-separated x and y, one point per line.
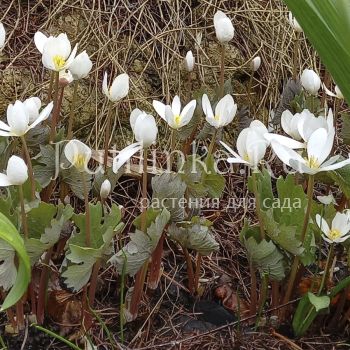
45	169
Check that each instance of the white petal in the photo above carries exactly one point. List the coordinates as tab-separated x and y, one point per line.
256	147
32	106
160	108
81	66
124	155
316	143
286	119
17	118
169	118
223	105
238	160
105	189
206	106
340	222
335	166
120	87
104	85
285	154
284	140
2	35
43	115
187	112
146	130
133	117
17	171
322	224
4	126
242	142
4	181
71	57
176	105
40	40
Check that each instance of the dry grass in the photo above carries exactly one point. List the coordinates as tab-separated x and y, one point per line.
148	40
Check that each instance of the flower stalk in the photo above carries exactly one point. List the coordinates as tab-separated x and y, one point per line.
72	109
107	136
142	273
29	165
258	206
56	97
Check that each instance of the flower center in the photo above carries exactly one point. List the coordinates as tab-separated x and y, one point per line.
334	234
313	162
246	157
177	119
217	117
59	62
79	161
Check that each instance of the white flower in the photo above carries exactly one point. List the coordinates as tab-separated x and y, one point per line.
310	81
145	129
2	35
57	53
294	23
106	188
81	66
119	88
189	61
78	154
16	172
251	145
337	93
339	231
173	114
256	63
326	200
225	111
223	27
18	118
319	148
308	123
32	105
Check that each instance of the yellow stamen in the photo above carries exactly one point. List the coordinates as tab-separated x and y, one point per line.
313	162
217	117
246	157
79	161
59	62
177	119
334	234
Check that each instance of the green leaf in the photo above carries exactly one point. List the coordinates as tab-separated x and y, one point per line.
345	130
281	234
45	167
264	255
141	246
342	178
81	261
98	225
168	191
194	235
45	234
339	287
327	24
8	270
319	302
10	235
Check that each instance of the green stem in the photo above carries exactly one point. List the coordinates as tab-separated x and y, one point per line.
253	291
295	265
263	297
107	136
23	213
72	109
87	211
30	166
211	146
258	207
53	118
222	70
326	270
142	273
49	94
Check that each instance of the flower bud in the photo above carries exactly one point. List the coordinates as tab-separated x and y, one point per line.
81	66
105	189
256	63
310	81
17	171
294	23
223	27
189	61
